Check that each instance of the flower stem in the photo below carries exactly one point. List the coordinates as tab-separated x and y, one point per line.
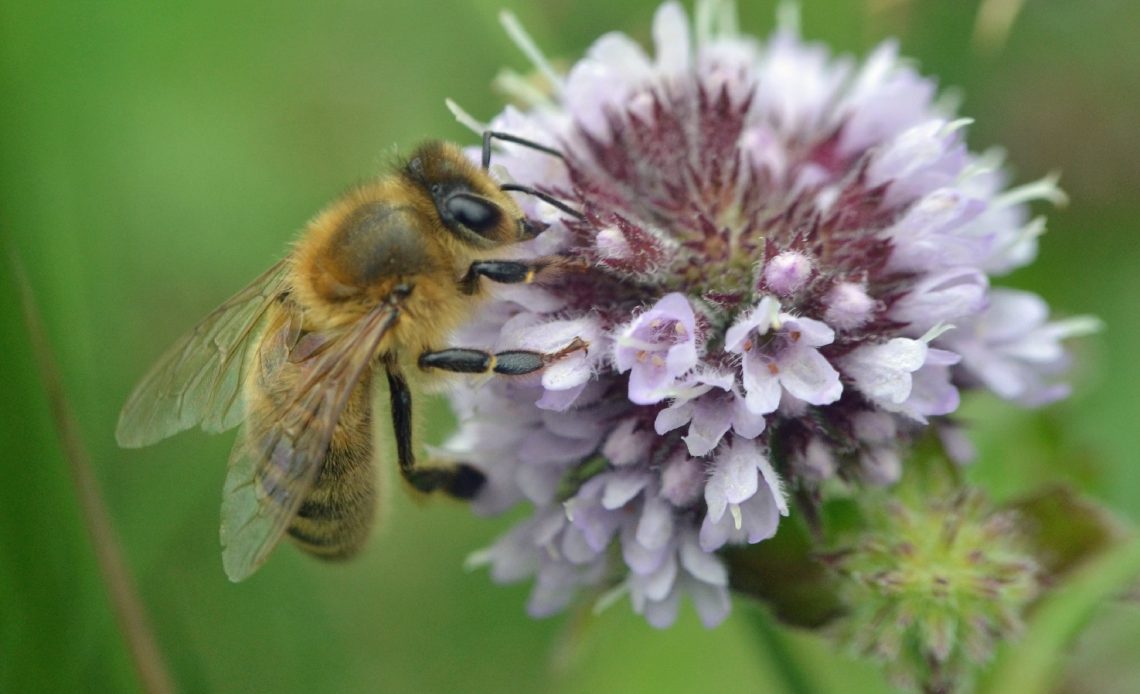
121	589
785	666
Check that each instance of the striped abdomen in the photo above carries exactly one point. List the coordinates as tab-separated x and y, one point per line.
334	519
337	511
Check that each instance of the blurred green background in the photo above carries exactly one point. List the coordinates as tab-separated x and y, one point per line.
155	156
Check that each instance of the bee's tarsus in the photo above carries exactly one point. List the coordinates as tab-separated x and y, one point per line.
466	482
532	228
501	271
461	481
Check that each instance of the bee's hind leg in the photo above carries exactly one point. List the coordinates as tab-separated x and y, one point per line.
460	481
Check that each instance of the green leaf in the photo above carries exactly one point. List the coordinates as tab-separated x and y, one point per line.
1065	531
785	573
1032	664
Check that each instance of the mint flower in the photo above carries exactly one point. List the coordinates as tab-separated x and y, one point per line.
783	269
656	348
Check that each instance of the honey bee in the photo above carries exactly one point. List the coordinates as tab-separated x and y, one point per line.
376	282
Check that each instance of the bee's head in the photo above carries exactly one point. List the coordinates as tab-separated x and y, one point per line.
467	201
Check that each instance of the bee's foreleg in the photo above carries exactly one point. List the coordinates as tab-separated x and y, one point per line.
461	481
514	271
515	362
501	271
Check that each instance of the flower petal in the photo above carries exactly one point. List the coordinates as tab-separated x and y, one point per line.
807	374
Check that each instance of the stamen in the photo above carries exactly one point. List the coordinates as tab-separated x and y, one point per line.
611	597
568	507
465	118
934	332
956	125
737	516
515	85
477	559
1042	189
527	45
1076	326
788	17
1035	228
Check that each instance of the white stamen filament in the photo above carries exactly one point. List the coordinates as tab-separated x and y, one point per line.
611	597
1077	326
788	19
527	45
465	119
1042	189
477	559
522	89
737	516
1035	228
934	332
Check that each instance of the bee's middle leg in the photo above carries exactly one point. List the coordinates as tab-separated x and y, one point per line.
461	481
515	362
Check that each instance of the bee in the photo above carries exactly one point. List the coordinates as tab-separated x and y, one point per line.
375	284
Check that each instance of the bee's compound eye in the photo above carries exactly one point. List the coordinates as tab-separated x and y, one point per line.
473	212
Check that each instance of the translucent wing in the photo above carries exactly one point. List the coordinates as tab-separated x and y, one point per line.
279	453
199	380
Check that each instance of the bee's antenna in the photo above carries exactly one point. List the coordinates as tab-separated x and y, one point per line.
545	197
489	135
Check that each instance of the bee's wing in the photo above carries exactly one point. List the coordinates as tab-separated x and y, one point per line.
199	379
279	453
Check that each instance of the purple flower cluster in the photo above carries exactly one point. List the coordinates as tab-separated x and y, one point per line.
782	271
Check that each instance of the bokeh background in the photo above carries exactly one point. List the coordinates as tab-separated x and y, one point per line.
155	156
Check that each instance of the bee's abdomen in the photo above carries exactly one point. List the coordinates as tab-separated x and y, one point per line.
334	519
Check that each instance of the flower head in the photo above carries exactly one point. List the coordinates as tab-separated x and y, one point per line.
932	587
782	268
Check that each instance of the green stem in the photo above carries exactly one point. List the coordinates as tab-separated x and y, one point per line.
1034	663
121	589
784	661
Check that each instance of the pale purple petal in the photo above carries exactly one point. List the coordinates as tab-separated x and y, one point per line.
671	38
758	319
712	418
712	602
706	567
655	527
621	486
806	374
745	422
761	386
682	480
806	331
883	372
